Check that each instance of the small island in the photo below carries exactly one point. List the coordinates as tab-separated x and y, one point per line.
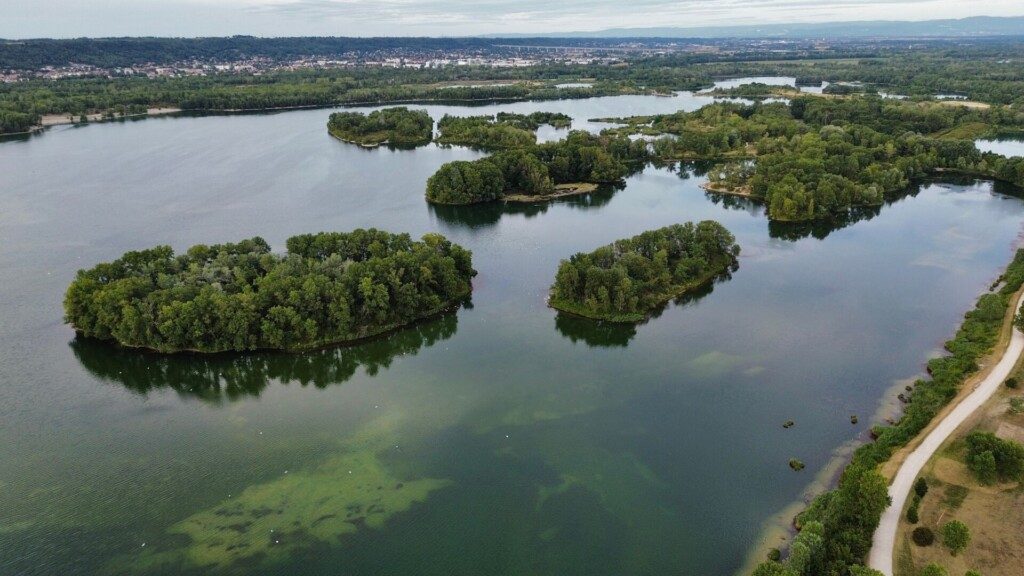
504	131
539	172
329	288
399	127
629	279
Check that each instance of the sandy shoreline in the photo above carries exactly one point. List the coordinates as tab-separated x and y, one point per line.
48	120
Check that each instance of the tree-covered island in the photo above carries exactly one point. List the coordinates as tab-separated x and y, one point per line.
817	157
399	126
627	280
328	288
504	131
539	172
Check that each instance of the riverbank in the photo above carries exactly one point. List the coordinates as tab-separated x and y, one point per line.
905	465
48	120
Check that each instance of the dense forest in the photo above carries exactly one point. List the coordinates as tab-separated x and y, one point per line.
628	279
842	521
535	170
395	126
503	131
328	288
819	157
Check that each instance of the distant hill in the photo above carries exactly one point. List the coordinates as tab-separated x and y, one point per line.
975	26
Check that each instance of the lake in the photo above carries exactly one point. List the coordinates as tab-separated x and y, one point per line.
499	439
1005	146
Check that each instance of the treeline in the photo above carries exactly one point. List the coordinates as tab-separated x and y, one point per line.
535	170
328	288
626	280
849	514
396	126
501	132
989	72
15	122
289	89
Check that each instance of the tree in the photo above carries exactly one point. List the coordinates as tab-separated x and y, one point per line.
921	487
956	536
994	459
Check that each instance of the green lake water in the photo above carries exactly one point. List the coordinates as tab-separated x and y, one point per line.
501	439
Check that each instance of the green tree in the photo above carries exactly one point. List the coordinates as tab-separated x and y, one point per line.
956	536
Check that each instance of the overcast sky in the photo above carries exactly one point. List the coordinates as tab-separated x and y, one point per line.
70	18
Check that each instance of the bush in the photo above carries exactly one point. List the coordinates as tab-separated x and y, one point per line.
922	536
1011	382
921	487
956	536
1016	406
934	570
912	512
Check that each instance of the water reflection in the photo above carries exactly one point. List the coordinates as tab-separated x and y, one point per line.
487	214
593	333
601	334
228	377
820	229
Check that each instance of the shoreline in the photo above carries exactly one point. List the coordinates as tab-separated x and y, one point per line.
911	459
447	307
638	317
743	191
561	191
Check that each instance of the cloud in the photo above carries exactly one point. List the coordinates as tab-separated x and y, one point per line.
28	18
575	14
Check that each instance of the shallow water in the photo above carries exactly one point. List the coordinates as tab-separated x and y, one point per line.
500	439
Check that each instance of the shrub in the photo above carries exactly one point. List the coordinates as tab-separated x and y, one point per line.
956	536
912	512
1011	382
934	570
921	487
1016	406
922	536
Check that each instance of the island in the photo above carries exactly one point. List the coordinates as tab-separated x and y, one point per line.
503	131
399	127
819	157
629	279
539	172
329	288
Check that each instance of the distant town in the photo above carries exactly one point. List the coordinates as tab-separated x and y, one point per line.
498	53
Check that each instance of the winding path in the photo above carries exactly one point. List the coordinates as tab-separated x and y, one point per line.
882	546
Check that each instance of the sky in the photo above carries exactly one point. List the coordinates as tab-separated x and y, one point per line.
75	18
